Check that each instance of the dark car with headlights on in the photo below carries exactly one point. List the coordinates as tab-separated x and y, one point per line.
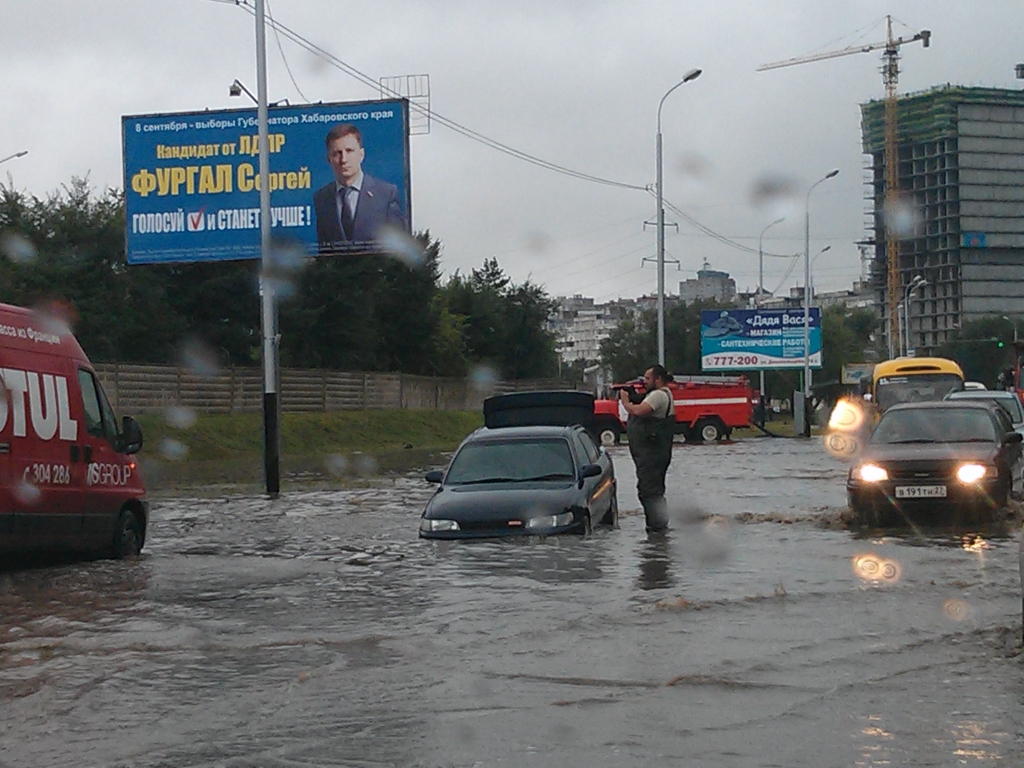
532	469
922	458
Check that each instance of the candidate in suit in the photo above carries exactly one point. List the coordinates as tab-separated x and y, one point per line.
352	209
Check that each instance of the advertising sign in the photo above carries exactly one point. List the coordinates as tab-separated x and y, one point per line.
855	373
192	183
746	339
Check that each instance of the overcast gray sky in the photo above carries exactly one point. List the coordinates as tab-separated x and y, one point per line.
575	83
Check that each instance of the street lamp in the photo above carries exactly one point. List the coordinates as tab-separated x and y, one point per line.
917	282
807	297
760	278
693	74
16	154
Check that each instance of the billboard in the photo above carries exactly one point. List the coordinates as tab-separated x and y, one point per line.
746	339
191	180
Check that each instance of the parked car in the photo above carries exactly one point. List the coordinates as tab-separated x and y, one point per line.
532	469
69	480
1008	400
922	458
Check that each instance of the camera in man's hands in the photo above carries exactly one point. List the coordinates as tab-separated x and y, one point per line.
634	397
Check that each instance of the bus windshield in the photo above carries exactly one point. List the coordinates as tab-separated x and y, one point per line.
916	388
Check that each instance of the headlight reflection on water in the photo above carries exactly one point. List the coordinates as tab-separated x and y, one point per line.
876	570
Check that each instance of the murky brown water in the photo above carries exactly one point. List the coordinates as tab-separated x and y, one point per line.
317	630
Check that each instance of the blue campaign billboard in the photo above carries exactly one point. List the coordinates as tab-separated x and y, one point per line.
339	180
747	339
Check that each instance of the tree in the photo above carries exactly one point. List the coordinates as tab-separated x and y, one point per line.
983	348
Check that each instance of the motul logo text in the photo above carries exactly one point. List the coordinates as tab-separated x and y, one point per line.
48	404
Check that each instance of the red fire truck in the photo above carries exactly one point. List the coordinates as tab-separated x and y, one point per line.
707	408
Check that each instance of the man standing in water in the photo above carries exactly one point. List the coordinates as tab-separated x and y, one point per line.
650	428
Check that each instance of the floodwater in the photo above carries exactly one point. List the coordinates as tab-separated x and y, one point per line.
317	630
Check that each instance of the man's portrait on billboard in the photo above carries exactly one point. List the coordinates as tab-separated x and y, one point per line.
353	208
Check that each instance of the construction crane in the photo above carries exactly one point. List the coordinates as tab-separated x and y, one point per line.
890	77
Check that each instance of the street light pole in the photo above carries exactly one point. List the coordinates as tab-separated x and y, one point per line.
760	280
693	74
807	296
268	299
917	282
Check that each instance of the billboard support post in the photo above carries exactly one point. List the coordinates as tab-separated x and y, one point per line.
268	298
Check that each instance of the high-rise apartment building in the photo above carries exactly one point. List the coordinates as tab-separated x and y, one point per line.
961	214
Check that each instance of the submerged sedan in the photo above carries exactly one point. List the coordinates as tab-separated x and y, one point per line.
962	455
515	480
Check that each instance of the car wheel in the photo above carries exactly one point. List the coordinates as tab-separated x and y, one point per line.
611	517
709	430
127	536
609	436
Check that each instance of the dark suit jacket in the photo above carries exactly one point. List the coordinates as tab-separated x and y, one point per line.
378	205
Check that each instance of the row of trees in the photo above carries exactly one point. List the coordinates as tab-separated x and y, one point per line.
357	313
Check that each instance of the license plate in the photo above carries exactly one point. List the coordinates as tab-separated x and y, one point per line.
920	491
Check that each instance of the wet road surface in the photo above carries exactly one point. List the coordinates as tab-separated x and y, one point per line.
317	630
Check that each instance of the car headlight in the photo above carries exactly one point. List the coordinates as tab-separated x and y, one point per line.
871	473
429	526
970	473
549	521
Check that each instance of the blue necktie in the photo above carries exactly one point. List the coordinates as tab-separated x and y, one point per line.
346	211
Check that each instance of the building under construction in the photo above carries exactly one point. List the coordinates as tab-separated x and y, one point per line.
960	215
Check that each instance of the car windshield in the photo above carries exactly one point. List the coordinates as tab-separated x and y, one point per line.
1008	403
512	461
935	425
918	388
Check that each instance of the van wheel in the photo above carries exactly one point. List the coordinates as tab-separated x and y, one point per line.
709	430
127	536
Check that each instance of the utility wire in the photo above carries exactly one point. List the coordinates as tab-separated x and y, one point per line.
280	48
302	42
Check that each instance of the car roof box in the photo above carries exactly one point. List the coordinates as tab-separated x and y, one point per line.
535	409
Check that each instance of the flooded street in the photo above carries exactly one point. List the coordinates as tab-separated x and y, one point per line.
318	630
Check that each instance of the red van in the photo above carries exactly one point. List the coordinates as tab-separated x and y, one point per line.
68	475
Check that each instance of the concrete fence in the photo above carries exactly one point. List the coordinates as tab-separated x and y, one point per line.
136	389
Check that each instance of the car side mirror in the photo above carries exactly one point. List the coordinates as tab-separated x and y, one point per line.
1013	437
434	476
589	470
131	436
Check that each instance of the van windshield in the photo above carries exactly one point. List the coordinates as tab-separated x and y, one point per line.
918	388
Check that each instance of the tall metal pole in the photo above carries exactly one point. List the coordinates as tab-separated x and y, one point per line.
807	296
661	253
760	281
693	74
268	299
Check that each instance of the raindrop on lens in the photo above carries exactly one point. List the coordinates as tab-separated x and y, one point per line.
173	450
180	417
400	245
483	378
900	218
776	193
26	493
198	358
336	464
17	248
956	609
364	465
538	241
54	316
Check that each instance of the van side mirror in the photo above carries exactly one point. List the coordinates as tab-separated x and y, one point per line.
131	436
434	476
589	470
1013	437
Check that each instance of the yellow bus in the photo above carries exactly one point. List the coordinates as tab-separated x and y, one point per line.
914	380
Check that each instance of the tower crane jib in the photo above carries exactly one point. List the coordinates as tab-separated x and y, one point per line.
890	78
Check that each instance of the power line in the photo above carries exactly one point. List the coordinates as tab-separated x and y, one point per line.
302	42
